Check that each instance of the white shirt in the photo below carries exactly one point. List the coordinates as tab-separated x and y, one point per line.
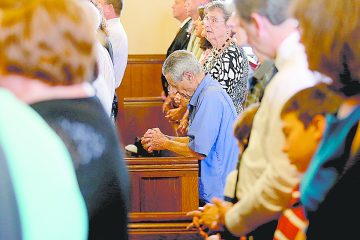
184	22
119	42
266	177
105	83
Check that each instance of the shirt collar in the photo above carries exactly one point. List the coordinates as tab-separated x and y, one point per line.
113	21
287	48
184	22
204	82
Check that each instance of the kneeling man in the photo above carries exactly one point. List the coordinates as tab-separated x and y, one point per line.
211	117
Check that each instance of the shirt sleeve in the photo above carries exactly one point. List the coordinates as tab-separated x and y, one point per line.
119	43
204	128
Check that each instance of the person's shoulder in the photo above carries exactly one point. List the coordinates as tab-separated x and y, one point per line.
296	75
213	92
213	87
234	52
85	108
116	28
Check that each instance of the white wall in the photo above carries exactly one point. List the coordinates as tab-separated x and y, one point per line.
149	25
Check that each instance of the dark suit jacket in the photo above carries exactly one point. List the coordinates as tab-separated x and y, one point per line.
180	42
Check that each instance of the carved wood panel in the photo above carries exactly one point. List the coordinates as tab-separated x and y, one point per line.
136	115
164	189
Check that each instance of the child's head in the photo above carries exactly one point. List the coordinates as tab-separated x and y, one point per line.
243	125
303	118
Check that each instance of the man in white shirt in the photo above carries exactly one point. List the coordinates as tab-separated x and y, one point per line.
119	43
117	35
266	177
104	84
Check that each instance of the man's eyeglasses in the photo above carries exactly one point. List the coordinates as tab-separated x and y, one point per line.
212	20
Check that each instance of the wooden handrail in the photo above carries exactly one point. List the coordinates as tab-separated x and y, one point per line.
146	59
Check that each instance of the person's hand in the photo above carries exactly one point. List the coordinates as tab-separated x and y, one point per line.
184	101
146	139
196	214
180	100
177	100
205	217
196	222
212	215
201	220
216	220
176	114
154	139
183	127
167	105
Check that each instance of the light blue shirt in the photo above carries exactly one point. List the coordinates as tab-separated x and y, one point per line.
211	119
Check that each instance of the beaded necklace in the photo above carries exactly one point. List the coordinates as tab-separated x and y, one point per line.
217	51
213	55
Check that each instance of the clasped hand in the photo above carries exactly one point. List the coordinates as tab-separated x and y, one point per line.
153	139
176	114
210	218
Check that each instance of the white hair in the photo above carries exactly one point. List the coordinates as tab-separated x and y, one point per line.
179	62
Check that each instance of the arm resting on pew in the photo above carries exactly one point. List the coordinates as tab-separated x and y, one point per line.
154	139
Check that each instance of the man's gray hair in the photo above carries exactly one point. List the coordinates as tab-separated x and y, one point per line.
179	62
276	11
221	5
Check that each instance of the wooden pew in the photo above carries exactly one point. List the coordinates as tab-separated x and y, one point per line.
163	190
139	98
139	114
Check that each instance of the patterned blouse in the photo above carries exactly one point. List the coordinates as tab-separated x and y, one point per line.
230	68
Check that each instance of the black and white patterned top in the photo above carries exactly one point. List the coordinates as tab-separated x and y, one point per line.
230	68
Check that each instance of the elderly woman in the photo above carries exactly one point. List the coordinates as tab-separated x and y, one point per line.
47	57
226	62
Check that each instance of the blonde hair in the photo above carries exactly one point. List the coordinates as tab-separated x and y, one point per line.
330	33
49	40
